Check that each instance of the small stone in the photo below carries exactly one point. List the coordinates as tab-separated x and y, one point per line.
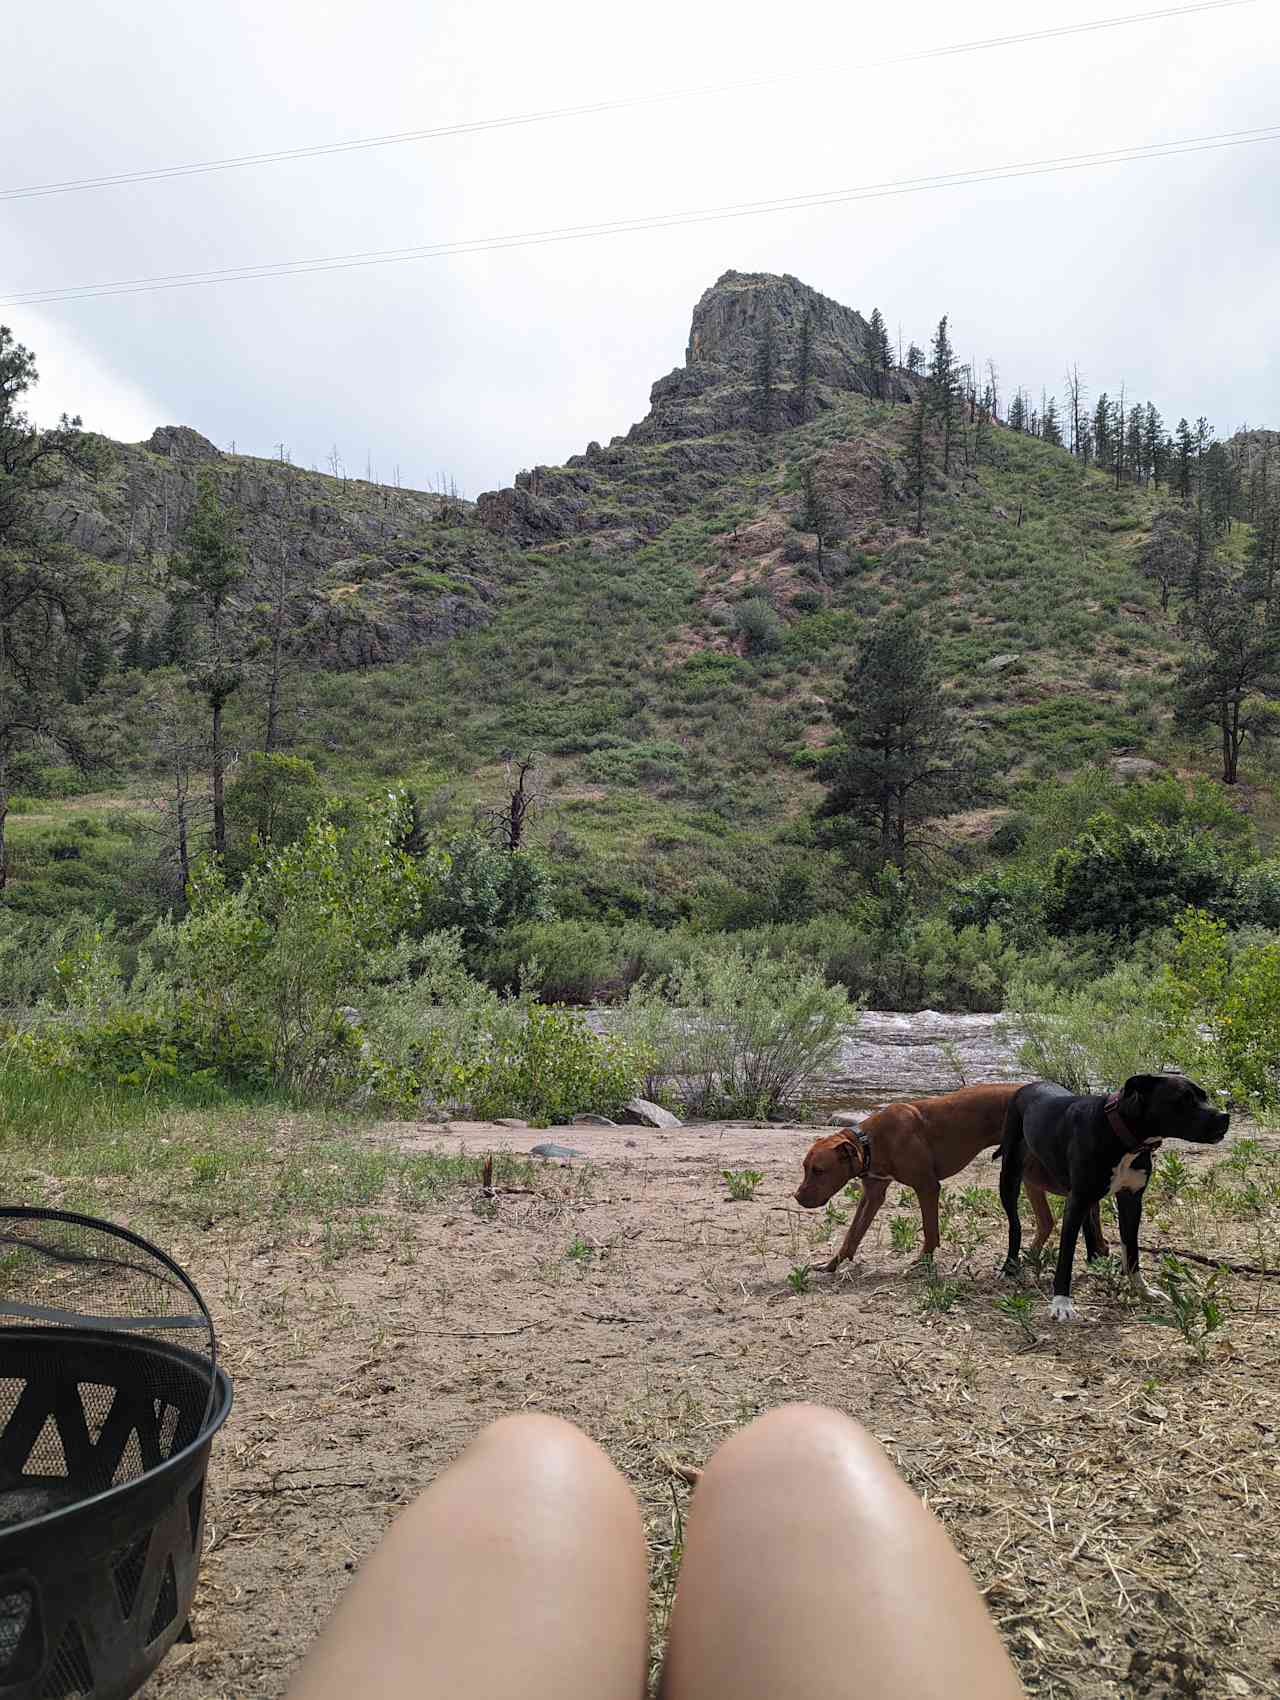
641	1113
560	1153
1238	1685
588	1120
510	1121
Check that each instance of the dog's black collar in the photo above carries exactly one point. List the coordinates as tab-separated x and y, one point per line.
1124	1133
864	1146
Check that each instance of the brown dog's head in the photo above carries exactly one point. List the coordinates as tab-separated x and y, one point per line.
829	1164
1169	1106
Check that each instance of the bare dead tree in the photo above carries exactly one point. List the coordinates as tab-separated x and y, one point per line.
185	804
526	793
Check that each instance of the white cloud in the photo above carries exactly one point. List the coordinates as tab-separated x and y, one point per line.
477	366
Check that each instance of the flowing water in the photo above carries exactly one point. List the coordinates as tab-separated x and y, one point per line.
891	1055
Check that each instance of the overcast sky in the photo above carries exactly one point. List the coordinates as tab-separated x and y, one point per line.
1164	274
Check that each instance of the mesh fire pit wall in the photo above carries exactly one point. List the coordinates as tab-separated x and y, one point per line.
110	1396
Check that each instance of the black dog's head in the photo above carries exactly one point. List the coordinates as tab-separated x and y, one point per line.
1169	1106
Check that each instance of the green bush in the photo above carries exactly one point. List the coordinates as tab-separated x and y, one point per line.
1127	880
1093	1038
550	1067
483	890
581	962
757	624
1220	999
749	1031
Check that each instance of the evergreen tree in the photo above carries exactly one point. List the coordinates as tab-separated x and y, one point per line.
982	426
1264	552
915	360
899	762
206	572
1134	446
879	353
1050	428
1169	552
817	515
1218	474
1153	441
1018	412
944	394
1103	449
1232	676
1184	460
765	397
918	465
803	381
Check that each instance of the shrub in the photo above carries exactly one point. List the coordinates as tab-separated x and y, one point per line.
550	1066
1221	1003
751	1031
757	624
1127	880
482	890
1091	1039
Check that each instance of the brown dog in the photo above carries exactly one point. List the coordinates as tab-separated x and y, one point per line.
920	1144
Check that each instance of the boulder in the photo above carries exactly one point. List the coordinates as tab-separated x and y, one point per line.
180	442
555	1153
510	1121
593	1121
848	1118
1133	767
998	663
641	1113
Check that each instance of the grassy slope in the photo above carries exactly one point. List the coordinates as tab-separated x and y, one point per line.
674	757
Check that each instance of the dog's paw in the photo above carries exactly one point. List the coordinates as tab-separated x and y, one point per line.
1009	1268
1144	1290
1062	1310
924	1261
830	1268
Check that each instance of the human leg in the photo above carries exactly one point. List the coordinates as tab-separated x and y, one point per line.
520	1570
811	1569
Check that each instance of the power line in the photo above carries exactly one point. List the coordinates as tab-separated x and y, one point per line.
75	185
654	221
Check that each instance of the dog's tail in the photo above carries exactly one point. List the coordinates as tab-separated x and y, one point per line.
1012	1130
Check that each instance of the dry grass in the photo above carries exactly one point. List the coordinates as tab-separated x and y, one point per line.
1114	1495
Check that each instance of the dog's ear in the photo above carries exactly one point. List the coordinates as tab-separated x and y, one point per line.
1134	1094
847	1145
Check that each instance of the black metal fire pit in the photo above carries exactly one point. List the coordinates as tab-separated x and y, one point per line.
110	1395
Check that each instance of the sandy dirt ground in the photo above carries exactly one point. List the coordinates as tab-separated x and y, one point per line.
1115	1498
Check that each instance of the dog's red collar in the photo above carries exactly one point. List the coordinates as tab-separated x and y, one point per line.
1124	1133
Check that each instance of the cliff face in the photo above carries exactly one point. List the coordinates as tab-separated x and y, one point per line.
371	571
642	479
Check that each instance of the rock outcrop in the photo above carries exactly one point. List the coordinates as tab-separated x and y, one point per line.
698	430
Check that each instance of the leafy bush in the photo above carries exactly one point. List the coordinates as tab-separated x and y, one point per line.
582	962
1221	1003
483	890
750	1031
757	623
549	1066
1093	1038
636	764
1127	880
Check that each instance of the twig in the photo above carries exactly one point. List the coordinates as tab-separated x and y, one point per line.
1217	1262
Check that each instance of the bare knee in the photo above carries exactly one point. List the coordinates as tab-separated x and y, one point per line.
541	1447
796	1440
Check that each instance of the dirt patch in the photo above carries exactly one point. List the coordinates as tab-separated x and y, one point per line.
1114	1496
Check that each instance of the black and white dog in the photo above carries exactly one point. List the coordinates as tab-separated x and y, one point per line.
1090	1146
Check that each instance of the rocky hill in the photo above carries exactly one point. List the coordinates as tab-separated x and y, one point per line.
651	616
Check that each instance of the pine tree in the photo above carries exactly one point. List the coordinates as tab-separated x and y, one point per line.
1168	555
879	353
899	763
816	516
1264	552
1134	446
1233	673
1018	412
944	399
207	570
1153	441
1103	449
765	398
982	426
918	467
803	381
1050	429
1184	460
915	360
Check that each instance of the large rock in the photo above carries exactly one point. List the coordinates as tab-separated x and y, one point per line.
180	442
641	1113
